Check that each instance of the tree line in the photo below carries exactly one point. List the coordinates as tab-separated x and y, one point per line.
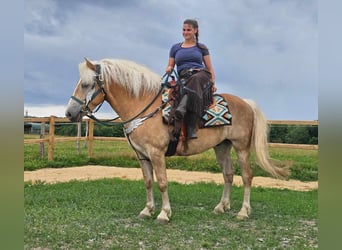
292	134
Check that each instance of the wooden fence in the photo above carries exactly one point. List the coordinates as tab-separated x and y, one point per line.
90	138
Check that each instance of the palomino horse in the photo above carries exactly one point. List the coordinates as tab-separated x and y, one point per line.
134	93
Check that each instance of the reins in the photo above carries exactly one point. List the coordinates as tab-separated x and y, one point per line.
133	122
133	118
110	121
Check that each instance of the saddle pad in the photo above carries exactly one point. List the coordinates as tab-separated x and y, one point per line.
217	115
167	109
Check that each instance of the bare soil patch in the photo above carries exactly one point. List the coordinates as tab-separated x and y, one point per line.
52	175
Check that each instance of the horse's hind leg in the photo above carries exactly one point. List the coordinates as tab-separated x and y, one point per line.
247	176
222	152
148	180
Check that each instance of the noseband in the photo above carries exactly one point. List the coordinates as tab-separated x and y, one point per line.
87	101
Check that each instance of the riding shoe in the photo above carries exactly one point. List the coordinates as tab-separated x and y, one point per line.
191	132
191	125
181	109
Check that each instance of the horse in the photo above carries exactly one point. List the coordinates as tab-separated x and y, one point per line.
134	92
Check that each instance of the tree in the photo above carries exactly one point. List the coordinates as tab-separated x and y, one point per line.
112	130
277	133
297	135
313	132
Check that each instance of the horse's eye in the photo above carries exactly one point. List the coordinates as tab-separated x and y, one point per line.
86	85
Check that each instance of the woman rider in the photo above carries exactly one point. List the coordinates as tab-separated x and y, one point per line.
194	66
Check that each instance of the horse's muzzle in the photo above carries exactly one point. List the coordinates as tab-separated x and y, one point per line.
74	113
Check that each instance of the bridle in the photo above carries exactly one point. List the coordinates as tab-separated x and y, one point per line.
100	90
133	122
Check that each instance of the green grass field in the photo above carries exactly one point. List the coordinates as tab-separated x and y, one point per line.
102	214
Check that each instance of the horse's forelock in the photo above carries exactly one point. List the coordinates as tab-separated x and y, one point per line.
86	74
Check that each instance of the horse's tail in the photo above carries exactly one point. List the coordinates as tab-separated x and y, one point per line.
259	143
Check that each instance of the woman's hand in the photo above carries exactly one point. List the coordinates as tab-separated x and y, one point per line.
170	65
168	69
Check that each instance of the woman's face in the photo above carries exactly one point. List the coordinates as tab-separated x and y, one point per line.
189	32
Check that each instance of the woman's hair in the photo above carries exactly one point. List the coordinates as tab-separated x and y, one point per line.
194	24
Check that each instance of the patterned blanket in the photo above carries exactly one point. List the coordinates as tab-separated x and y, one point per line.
218	113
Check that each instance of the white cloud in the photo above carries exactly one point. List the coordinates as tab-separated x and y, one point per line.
59	111
45	110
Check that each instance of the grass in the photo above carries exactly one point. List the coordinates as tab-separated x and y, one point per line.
304	163
102	214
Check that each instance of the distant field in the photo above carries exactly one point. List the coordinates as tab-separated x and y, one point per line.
304	163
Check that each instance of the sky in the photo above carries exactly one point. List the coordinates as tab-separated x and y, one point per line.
265	50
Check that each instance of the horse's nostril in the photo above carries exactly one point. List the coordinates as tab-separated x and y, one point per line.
67	114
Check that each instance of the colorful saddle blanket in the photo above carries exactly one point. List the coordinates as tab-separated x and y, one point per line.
218	114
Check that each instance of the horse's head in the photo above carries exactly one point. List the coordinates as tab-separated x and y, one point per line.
89	92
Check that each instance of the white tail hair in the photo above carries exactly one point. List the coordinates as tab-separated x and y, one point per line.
260	144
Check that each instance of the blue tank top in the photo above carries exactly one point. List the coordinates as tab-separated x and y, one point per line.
187	58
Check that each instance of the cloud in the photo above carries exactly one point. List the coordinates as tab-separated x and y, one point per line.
59	111
257	47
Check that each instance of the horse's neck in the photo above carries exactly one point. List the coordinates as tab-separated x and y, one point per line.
127	106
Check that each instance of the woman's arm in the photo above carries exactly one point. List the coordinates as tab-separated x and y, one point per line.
170	65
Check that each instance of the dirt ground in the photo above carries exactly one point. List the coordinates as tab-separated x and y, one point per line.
52	175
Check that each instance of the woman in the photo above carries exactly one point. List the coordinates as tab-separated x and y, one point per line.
194	66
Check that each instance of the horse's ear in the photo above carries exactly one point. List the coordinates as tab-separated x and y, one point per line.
90	64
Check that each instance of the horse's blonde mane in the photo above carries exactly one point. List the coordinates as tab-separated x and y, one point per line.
136	79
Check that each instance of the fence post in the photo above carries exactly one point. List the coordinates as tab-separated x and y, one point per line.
78	137
86	134
42	135
90	137
51	138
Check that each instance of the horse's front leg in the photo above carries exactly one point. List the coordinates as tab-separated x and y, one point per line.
147	171
158	162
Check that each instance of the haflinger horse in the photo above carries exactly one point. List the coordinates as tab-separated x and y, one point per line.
133	91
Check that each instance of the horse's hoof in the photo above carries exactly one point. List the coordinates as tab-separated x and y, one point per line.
144	216
218	210
244	213
146	213
242	216
163	217
162	221
221	208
